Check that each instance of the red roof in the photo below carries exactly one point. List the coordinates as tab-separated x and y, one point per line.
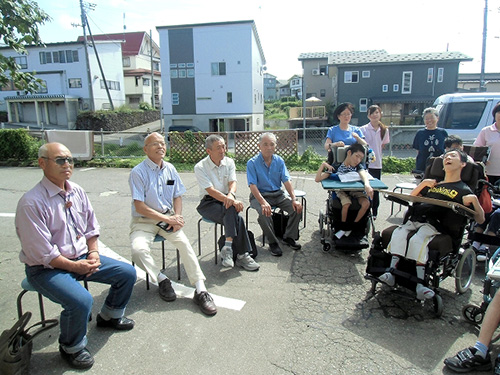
132	44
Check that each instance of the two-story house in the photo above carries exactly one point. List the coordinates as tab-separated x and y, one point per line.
65	90
141	67
270	87
215	76
401	84
296	86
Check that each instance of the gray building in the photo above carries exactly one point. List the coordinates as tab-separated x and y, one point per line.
401	84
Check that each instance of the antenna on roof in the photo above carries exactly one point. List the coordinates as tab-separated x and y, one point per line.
124	26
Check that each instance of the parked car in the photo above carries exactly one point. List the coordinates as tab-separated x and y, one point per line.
182	129
465	114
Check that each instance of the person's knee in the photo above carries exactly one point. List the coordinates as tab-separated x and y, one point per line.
140	247
365	203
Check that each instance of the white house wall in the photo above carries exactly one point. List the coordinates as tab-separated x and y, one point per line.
109	55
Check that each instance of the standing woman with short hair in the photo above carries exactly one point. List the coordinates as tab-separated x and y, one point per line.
377	135
490	136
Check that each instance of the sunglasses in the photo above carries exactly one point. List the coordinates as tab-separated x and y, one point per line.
61	161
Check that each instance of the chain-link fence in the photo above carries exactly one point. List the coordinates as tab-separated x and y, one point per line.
129	144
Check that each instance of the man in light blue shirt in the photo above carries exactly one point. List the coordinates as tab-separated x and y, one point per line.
157	209
265	174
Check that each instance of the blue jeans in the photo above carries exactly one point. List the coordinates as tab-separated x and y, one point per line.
63	288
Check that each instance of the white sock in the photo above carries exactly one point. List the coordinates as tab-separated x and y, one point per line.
200	286
229	244
424	292
161	277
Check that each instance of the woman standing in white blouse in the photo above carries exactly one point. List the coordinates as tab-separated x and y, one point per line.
490	136
376	135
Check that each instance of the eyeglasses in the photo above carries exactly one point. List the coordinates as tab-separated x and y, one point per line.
156	144
61	161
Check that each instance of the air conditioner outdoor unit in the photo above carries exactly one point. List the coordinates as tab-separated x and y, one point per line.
315	72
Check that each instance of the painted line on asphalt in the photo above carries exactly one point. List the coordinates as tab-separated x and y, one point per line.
87	169
7	214
180	289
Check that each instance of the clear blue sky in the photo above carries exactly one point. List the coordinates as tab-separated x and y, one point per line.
289	28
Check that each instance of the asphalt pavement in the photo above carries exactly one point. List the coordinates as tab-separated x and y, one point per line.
307	312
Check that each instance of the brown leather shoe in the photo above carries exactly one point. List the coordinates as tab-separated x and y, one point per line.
206	303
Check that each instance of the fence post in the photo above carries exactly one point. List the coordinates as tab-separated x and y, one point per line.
102	142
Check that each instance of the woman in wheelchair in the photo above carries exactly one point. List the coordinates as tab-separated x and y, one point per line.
351	164
429	220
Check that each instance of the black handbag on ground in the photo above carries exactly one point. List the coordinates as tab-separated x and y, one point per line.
16	345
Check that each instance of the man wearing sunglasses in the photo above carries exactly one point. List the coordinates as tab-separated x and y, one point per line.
58	230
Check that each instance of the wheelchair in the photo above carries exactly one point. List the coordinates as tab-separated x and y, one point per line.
447	256
330	222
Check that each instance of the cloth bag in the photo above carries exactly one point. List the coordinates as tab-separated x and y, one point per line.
16	345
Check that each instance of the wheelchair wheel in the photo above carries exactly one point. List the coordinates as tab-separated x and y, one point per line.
437	305
465	270
473	314
327	247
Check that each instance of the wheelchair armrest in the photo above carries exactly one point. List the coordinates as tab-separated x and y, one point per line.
397	200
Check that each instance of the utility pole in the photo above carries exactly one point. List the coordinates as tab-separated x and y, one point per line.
482	85
89	75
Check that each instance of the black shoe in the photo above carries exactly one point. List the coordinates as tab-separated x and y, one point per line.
120	324
167	293
81	360
206	303
467	360
275	249
292	243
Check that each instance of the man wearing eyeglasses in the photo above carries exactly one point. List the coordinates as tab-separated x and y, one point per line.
157	192
58	230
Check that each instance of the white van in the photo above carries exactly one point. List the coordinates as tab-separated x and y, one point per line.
465	114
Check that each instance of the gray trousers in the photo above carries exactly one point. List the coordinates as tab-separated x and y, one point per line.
277	199
234	224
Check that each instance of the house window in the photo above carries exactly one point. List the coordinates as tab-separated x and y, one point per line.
365	74
430	75
146	82
182	73
406	84
322	93
175	98
22	62
182	65
363	104
190	65
385	88
45	58
323	70
351	77
440	76
75	83
229	97
62	57
126	61
112	85
156	65
395	87
219	69
42	88
190	73
55	57
173	73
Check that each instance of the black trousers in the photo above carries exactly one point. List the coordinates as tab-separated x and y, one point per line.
377	173
234	225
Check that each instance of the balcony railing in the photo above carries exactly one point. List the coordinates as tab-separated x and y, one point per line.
313	112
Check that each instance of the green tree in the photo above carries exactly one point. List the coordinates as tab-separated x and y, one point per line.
19	22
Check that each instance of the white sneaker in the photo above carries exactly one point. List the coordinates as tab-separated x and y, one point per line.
388	278
482	253
424	292
247	262
226	254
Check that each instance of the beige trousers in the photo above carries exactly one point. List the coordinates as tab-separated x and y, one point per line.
142	233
